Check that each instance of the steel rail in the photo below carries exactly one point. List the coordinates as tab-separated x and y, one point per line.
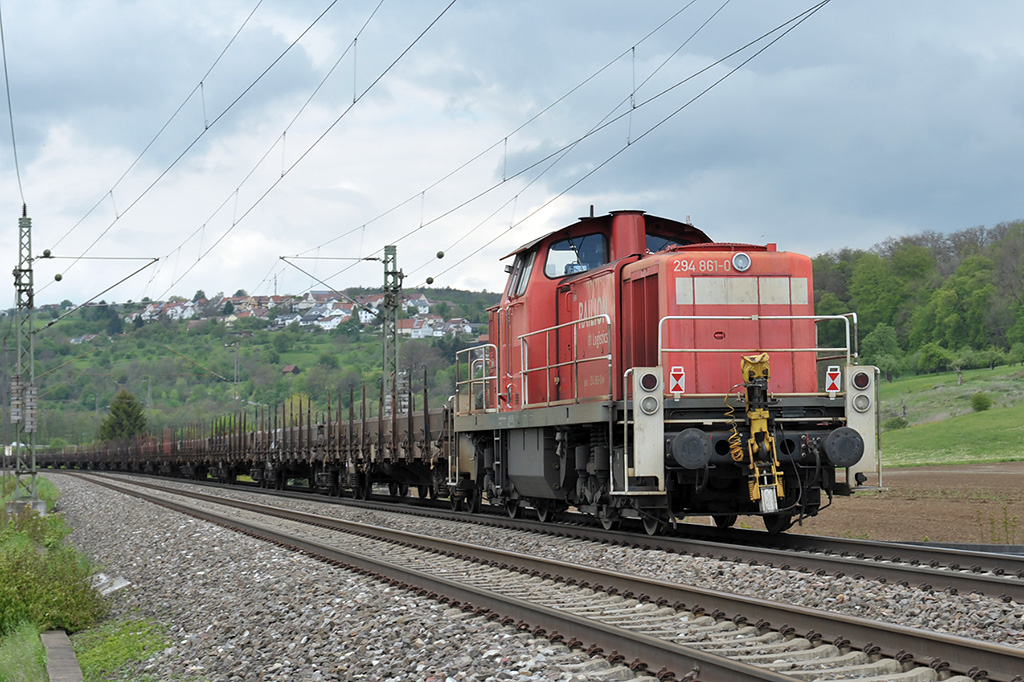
925	648
925	567
652	652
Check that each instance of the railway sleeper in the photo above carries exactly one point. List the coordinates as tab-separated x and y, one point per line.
785	648
702	628
766	655
886	669
746	636
849	660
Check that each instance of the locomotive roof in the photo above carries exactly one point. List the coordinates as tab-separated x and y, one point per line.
651	221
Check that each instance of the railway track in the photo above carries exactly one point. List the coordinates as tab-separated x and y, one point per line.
931	568
670	628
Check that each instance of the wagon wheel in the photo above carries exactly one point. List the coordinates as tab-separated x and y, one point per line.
423	491
652	523
393	489
403	489
777	523
456	501
545	512
361	490
726	521
513	508
472	503
608	520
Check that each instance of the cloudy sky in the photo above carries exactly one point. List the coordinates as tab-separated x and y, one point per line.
220	136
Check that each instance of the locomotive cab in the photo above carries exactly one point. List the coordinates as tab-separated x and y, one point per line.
639	370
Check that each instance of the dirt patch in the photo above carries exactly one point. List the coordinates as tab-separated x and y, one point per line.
978	503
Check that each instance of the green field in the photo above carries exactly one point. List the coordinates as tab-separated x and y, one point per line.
943	428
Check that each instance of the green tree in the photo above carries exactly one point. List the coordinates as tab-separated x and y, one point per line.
115	325
882	349
934	358
958	313
229	307
127	418
198	296
881	341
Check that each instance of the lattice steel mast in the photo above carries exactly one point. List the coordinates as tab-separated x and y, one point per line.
389	321
24	408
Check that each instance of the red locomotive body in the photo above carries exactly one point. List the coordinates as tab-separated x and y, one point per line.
637	369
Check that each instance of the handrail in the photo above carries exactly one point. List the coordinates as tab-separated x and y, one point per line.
756	318
574	363
476	358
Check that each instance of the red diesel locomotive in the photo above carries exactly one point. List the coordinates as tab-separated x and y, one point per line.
636	369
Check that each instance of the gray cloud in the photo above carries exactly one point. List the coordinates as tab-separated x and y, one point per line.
871	119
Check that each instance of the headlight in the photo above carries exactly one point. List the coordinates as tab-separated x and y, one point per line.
861	403
741	262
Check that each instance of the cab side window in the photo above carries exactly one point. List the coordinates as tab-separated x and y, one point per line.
575	255
521	273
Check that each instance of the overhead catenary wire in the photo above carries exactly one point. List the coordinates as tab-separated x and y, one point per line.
555	156
795	21
160	132
206	129
10	110
316	142
284	169
504	139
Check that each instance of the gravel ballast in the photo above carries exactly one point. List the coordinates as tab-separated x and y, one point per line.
243	609
237	608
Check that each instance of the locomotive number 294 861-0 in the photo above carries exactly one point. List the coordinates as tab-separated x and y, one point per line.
706	265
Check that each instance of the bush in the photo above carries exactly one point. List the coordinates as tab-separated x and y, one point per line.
980	402
43	580
894	423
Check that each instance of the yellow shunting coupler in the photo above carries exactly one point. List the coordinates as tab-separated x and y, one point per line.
765	482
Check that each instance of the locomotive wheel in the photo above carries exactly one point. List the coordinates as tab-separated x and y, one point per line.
513	508
777	523
725	521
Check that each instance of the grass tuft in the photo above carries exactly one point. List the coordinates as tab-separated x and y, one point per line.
106	650
22	655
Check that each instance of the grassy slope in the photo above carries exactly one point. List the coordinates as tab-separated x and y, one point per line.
943	428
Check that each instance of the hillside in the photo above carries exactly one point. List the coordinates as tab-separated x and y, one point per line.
198	368
942	427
